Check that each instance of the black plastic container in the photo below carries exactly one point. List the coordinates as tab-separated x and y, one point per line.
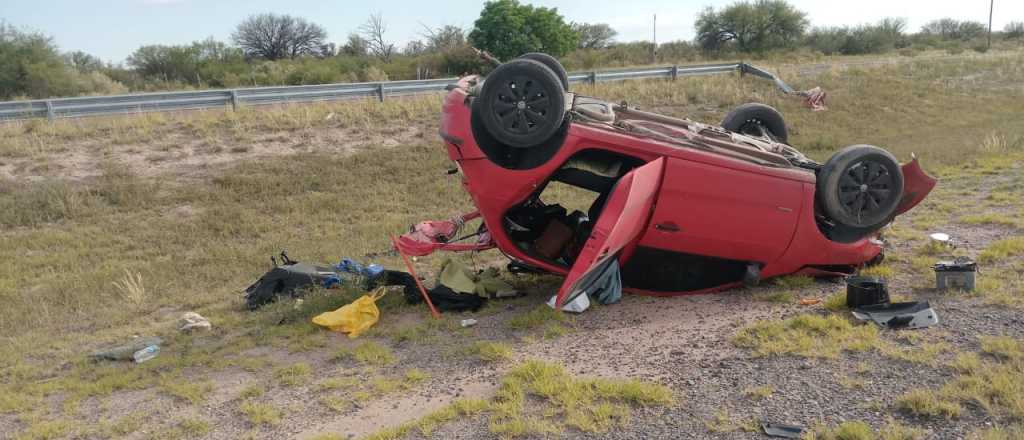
865	291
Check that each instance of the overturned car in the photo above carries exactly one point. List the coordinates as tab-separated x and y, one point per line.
571	184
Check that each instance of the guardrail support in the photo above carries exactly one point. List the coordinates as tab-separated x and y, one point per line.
592	77
50	116
675	71
380	91
234	100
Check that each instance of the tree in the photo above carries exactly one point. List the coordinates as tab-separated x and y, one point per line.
953	29
32	66
751	26
274	37
883	36
444	38
373	30
594	35
508	29
83	62
356	46
1014	30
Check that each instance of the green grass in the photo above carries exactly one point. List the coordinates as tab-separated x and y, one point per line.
293	375
592	405
540	316
186	390
993	384
369	353
858	430
808	336
1002	249
724	421
260	413
776	296
488	351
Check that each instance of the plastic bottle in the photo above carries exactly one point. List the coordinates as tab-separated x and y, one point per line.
146	354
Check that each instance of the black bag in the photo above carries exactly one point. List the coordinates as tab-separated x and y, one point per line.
448	300
286	280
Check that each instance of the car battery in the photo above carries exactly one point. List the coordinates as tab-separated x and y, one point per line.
958	273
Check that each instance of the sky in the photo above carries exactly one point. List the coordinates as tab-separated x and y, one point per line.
113	29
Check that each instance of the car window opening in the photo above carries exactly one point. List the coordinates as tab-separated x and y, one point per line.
555	221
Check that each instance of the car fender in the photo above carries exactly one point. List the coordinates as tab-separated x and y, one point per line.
916	185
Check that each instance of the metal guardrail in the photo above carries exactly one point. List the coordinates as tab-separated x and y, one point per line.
204	99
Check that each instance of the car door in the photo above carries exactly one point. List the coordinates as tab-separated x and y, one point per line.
714	210
622	221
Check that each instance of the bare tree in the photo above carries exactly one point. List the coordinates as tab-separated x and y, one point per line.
373	30
274	37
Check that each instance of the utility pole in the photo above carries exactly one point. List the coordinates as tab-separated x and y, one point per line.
991	7
653	37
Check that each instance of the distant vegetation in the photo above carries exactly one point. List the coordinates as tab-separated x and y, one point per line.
271	49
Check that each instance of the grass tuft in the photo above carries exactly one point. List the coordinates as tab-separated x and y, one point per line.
808	336
488	351
260	414
369	353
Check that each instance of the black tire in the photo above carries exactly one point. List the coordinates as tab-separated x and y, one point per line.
860	188
756	119
552	63
521	104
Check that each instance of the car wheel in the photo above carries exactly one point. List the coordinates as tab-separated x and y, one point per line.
755	119
552	63
521	104
860	187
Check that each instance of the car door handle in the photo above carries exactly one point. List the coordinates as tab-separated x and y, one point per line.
667	227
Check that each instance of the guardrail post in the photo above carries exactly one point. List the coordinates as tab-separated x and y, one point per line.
742	66
675	71
380	91
592	77
50	115
234	100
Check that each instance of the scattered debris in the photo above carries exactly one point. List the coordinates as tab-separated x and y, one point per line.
290	277
193	321
449	300
899	315
145	354
809	301
285	280
781	430
467	322
958	273
353	318
126	351
461	279
865	291
579	304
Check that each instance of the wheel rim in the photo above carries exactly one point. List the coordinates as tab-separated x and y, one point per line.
865	189
522	107
756	128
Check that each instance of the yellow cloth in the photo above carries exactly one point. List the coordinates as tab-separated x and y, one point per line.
353	318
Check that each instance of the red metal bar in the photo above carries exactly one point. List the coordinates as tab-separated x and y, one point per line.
412	271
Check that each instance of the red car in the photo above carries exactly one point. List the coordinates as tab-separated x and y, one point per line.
567	184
